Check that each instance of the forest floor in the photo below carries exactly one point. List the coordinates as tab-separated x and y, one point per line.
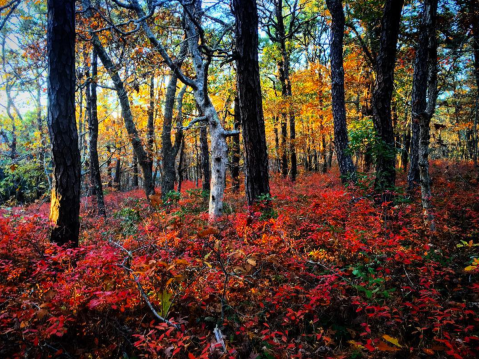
326	273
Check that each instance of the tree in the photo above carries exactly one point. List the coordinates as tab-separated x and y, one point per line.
419	92
282	32
383	90
140	152
250	100
65	199
474	13
425	95
235	151
194	33
170	150
95	175
346	166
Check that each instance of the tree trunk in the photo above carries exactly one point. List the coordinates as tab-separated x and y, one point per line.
405	153
108	165
95	175
276	146
169	151
427	88
65	201
474	11
284	140
286	93
235	156
142	155
250	101
219	148
150	127
205	159
135	171
117	178
419	100
386	60
341	142
324	154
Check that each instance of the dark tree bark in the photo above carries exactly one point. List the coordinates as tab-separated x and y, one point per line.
474	11
406	147
95	175
141	154
386	60
169	150
419	101
117	178
65	201
135	171
108	165
250	101
280	36
235	153
276	145
324	154
345	162
284	141
143	157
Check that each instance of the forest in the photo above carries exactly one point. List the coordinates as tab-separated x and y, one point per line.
250	179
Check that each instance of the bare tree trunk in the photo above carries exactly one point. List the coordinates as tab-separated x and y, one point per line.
117	178
386	60
284	141
205	159
250	102
418	99
65	201
474	11
276	146
323	152
346	166
235	156
219	148
284	78
168	149
135	171
427	88
95	175
142	155
108	165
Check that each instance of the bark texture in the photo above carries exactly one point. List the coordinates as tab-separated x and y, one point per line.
427	88
65	200
474	11
250	100
235	152
383	90
419	99
345	162
95	175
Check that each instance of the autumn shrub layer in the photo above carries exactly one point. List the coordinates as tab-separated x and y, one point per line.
325	272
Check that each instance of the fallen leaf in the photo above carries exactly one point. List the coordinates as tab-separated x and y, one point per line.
391	340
